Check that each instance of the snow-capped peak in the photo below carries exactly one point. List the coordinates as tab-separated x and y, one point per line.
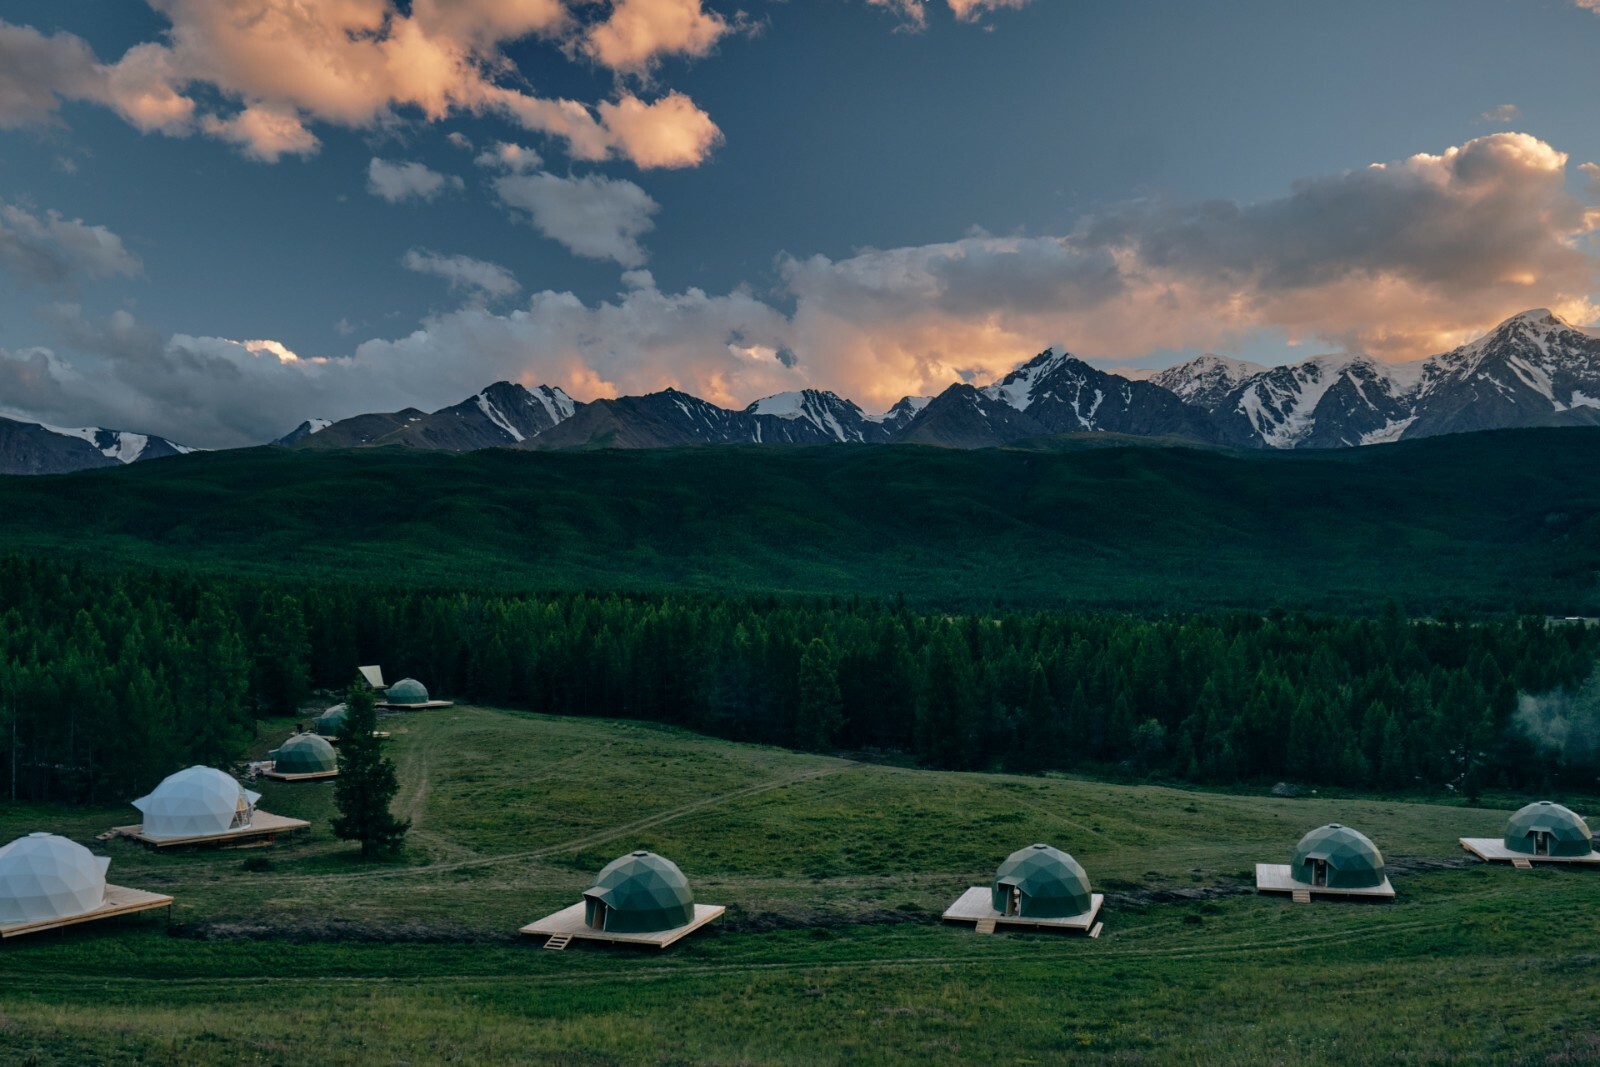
1205	379
1017	388
828	412
903	410
120	445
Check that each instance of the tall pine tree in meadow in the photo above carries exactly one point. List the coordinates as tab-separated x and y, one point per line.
366	784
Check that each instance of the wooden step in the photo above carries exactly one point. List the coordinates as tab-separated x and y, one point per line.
558	942
985	926
1302	896
1097	928
1522	864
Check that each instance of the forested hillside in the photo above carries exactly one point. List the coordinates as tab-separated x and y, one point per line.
110	681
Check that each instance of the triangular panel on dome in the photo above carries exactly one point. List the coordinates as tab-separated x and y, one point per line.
47	882
202	806
1332	860
1541	832
640	898
373	676
1035	888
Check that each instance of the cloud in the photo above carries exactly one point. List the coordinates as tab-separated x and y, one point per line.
279	65
1592	171
48	249
264	132
1589	5
601	218
509	157
479	279
638	33
1505	112
395	182
914	13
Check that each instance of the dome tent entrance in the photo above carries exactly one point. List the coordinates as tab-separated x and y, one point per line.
1541	832
640	898
1331	860
47	882
1039	888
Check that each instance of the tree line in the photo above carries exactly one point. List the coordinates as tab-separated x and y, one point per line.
110	680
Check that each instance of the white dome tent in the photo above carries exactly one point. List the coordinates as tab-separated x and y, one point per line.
47	881
196	802
45	877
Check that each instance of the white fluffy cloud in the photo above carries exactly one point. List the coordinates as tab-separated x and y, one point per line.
601	218
48	249
475	277
281	65
637	33
395	182
914	13
1505	112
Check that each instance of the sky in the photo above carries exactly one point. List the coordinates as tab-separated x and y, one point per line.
219	218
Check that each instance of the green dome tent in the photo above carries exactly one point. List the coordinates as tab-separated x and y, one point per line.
639	893
406	691
304	754
1339	858
1547	829
1040	882
331	722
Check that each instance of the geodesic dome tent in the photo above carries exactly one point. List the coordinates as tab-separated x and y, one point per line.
1040	882
1544	828
45	877
638	893
1337	857
304	754
331	722
196	802
406	691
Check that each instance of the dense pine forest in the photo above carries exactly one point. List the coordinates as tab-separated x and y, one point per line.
109	680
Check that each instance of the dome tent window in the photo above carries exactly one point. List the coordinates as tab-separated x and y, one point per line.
1541	832
640	898
1332	860
1038	887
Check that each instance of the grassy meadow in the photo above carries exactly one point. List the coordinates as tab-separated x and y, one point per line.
834	873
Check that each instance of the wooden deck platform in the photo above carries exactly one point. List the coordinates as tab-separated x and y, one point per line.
1494	850
1274	878
263	830
974	907
317	777
120	900
569	922
333	739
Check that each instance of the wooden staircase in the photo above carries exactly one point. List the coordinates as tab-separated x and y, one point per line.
985	926
1301	896
1522	864
558	942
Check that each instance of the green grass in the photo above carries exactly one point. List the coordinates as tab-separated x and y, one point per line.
1495	522
834	873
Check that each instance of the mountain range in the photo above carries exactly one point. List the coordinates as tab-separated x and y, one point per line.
1534	369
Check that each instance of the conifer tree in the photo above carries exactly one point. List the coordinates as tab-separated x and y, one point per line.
821	710
366	784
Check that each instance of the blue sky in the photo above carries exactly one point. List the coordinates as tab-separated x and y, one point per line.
824	193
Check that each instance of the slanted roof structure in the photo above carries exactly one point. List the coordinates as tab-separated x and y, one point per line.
331	722
1544	828
45	877
304	754
1337	857
196	802
639	893
407	691
1040	882
373	676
